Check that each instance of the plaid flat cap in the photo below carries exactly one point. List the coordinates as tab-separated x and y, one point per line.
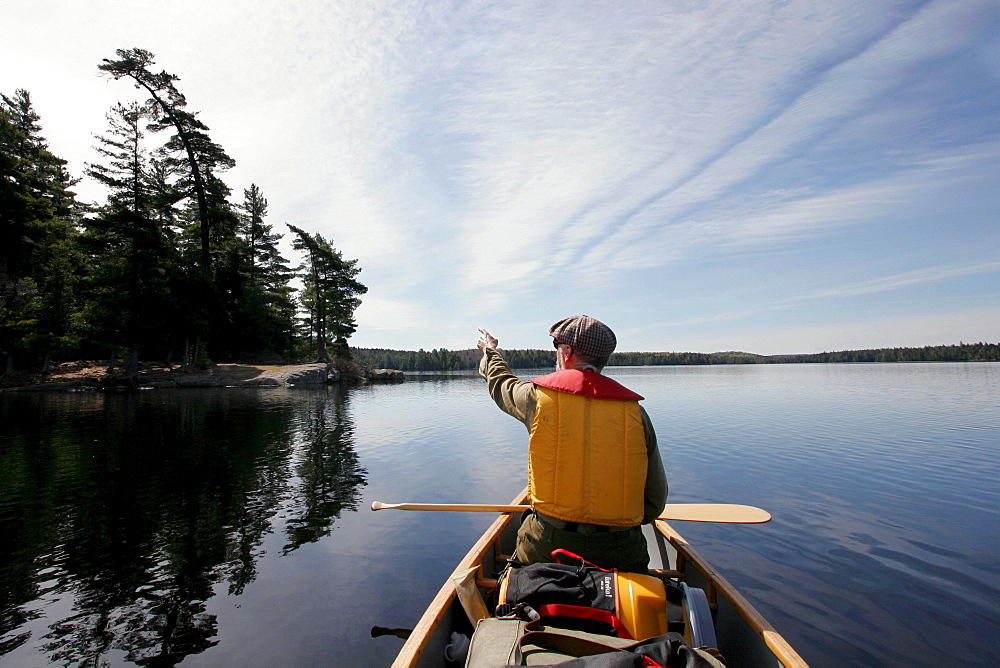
588	336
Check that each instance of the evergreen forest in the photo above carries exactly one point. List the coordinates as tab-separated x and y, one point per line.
171	266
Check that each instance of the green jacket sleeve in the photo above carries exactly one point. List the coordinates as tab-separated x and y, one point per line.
514	396
656	478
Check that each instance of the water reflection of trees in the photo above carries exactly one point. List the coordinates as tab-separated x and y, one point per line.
328	473
138	511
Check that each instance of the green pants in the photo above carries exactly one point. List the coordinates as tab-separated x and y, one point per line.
621	550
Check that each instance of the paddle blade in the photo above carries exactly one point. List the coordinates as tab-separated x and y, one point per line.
728	513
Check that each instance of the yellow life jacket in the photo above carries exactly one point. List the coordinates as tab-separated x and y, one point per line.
587	455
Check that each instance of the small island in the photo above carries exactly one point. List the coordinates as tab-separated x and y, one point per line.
88	376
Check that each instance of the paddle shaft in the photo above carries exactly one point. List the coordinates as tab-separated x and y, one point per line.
728	513
455	507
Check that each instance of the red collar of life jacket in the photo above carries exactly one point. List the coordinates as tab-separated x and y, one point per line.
586	383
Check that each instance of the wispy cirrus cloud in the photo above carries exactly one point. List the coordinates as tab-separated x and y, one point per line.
904	280
870	286
568	164
850	89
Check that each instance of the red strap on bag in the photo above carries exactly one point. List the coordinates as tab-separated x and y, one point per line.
580	612
566	553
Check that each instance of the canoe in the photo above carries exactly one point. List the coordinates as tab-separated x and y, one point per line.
742	634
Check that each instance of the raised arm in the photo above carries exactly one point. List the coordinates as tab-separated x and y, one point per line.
513	395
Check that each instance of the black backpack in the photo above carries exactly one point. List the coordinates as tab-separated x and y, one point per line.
565	595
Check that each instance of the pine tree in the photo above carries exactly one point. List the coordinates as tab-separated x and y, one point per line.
267	308
130	256
37	214
330	295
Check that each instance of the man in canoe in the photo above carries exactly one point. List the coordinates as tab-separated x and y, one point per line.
594	469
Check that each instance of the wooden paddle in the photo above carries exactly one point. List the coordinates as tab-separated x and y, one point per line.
727	513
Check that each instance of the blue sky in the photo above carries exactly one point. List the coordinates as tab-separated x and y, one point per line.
771	177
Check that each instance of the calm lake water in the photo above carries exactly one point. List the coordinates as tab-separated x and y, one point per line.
231	527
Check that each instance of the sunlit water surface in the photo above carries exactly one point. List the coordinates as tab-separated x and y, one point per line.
231	527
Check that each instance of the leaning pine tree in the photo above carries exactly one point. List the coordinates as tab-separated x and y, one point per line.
194	159
202	156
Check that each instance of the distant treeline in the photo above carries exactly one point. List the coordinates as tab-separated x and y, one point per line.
675	359
441	359
963	352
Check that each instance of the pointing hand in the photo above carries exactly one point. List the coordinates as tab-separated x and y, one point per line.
486	341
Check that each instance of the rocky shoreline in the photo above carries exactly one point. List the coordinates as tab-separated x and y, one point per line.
94	376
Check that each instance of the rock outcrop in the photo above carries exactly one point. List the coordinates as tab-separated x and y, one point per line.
384	375
91	376
303	374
